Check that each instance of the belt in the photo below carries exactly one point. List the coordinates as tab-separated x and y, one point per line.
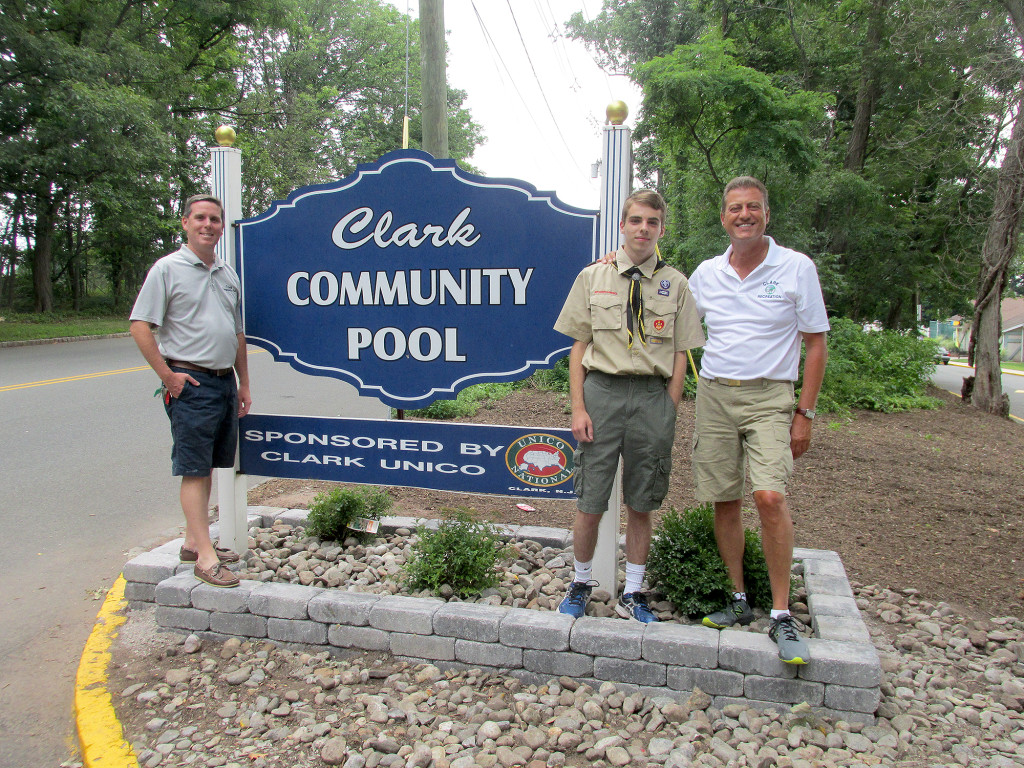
201	369
743	382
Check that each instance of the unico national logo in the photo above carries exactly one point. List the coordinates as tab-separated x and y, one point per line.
540	459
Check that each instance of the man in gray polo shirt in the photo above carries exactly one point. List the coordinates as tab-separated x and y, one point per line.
194	300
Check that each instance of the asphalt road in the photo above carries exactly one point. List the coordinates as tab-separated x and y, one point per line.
84	481
951	378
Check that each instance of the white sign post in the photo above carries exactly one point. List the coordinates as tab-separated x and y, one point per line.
616	184
226	184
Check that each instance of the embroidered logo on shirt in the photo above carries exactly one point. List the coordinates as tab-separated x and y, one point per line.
770	290
659	325
666	284
607	293
663	291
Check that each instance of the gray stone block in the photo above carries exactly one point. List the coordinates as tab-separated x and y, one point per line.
239	624
488	654
817	567
392	523
613	638
266	515
423	646
540	630
297	631
138	592
470	621
716	682
177	590
366	638
182	618
282	601
804	554
293	517
851	630
235	600
784	691
335	607
681	645
844	698
559	663
150	568
546	537
852	664
396	613
751	653
172	547
629	671
827	585
832	605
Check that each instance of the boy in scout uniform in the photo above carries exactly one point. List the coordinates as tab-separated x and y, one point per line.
631	321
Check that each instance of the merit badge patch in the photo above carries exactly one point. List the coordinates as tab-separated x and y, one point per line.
540	459
666	284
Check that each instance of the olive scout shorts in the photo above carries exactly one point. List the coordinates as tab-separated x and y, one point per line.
736	425
634	417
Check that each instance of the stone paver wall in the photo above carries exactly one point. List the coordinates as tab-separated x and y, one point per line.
842	680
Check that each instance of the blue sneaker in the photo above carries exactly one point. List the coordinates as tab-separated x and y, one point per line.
634	606
575	601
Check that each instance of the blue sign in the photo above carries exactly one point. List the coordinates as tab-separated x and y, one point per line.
413	279
472	458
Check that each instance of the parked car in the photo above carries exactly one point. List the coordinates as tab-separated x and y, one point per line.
942	355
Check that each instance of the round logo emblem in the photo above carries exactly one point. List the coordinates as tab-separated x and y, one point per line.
540	459
665	284
659	325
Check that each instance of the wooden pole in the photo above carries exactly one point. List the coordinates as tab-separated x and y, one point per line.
434	79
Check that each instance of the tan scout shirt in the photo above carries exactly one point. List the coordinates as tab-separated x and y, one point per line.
597	307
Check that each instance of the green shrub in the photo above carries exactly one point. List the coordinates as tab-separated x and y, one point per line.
875	370
468	401
684	564
330	513
461	552
555	378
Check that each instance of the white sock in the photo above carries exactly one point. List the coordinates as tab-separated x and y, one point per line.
584	571
777	614
634	577
739	595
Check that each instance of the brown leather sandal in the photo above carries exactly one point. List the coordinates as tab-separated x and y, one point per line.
222	577
224	555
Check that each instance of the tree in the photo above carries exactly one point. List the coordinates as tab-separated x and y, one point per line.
998	252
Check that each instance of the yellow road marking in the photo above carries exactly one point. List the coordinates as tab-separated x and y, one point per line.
99	731
80	377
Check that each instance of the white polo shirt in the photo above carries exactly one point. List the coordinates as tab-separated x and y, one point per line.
754	324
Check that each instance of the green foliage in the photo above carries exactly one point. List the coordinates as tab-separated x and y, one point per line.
330	513
461	552
555	378
58	325
468	401
875	370
684	564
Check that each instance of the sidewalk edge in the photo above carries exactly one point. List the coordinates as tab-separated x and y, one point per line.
99	732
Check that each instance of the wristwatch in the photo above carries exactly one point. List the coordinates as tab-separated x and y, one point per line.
807	413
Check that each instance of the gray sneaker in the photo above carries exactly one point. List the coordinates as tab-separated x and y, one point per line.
738	612
785	631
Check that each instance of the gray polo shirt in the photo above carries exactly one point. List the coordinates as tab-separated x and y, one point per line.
196	308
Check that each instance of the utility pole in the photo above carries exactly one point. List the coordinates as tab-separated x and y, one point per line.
434	80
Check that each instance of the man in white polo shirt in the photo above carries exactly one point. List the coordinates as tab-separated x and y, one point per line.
758	301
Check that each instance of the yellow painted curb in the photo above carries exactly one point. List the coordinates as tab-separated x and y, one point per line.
99	731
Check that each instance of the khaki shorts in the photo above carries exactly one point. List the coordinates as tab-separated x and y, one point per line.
634	417
742	425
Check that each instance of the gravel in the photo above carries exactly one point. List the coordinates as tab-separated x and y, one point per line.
953	692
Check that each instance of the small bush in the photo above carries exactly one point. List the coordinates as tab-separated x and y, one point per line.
330	513
684	564
461	553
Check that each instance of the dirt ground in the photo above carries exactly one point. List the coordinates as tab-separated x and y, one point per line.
929	500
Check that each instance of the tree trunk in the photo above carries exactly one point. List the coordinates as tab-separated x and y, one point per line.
1000	246
42	256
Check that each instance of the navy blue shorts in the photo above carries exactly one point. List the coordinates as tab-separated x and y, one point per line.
204	424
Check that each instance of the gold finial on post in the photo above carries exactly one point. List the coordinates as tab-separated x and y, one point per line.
225	136
617	112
